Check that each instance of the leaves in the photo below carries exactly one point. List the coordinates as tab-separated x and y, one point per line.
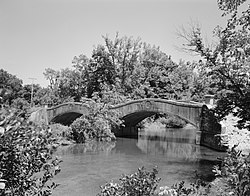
26	161
142	182
235	169
10	86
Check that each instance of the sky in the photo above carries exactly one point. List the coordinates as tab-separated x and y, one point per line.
40	34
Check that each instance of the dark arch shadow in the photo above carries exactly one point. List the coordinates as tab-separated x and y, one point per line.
134	118
130	128
66	118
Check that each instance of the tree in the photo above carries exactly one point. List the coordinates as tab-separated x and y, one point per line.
10	86
229	61
124	67
156	67
64	85
27	91
53	76
133	67
70	84
118	58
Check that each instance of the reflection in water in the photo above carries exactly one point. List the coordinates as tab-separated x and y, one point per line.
90	147
87	166
171	143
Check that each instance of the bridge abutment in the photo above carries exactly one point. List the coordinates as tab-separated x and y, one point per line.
210	130
211	140
40	116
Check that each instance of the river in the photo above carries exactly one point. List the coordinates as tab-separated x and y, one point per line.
86	167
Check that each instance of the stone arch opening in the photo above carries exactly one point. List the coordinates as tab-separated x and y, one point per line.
133	119
136	117
66	118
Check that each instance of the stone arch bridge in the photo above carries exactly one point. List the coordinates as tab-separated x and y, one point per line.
135	111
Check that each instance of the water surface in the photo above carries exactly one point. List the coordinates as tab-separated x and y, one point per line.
86	167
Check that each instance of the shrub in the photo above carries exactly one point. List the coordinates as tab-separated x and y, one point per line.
235	172
82	130
89	128
194	189
26	163
97	125
142	183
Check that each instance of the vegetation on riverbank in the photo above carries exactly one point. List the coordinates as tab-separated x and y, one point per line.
142	182
172	121
165	120
26	163
97	125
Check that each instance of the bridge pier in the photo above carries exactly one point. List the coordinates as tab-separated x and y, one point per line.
212	140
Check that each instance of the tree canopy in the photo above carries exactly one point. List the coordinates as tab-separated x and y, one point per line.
126	67
228	63
10	86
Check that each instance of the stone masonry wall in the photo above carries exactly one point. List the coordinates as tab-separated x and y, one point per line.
210	130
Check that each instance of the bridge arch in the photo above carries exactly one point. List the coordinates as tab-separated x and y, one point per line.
66	113
135	111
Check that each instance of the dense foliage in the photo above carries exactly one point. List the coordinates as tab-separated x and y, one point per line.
129	68
10	87
235	172
26	162
96	125
121	69
228	63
